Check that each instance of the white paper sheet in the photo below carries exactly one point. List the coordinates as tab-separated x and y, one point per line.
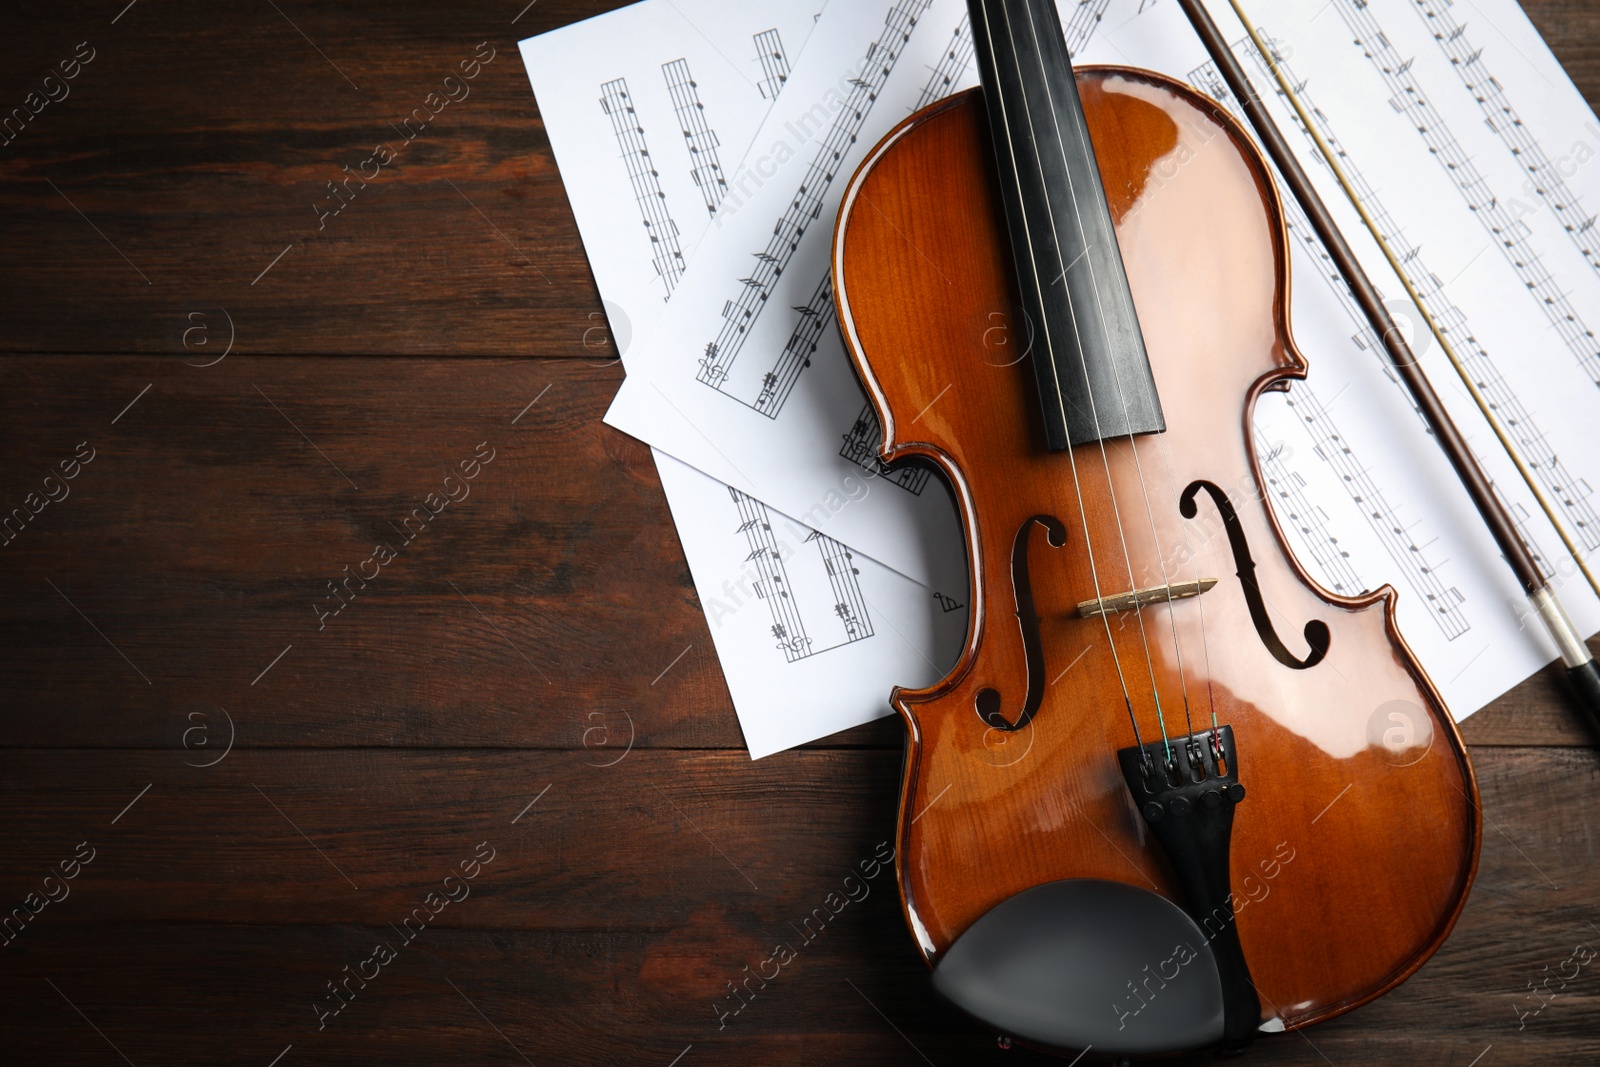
812	637
699	77
1437	114
1464	138
744	376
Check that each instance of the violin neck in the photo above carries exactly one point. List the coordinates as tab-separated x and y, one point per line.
1094	377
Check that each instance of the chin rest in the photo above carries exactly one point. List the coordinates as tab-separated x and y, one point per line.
1087	963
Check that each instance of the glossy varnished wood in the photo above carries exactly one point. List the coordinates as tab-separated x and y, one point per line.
924	286
606	930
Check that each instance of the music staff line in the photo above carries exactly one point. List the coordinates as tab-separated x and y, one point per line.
847	621
1333	448
718	366
1571	492
698	137
861	448
1443	603
665	254
1544	178
1085	20
1509	235
1309	520
774	63
951	66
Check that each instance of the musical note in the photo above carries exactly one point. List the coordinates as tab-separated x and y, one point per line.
848	606
666	256
698	137
861	448
774	63
792	225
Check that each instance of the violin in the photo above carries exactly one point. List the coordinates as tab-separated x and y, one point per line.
1173	794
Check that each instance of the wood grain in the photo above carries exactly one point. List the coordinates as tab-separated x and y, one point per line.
206	922
200	541
416	724
200	137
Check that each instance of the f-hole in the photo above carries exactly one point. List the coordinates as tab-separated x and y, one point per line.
1316	631
988	702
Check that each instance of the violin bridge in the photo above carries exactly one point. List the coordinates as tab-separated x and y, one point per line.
1138	598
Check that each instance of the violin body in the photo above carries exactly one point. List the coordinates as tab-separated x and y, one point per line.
1356	843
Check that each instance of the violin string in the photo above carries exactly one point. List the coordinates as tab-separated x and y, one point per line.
1200	604
1172	489
1122	293
1124	296
1044	326
1166	580
1094	410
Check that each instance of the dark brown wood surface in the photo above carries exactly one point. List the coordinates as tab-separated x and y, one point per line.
147	611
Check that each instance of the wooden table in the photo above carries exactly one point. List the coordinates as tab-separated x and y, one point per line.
256	778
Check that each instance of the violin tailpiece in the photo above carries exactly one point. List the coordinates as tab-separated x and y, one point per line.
1186	790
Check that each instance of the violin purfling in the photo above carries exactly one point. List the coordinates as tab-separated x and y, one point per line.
1173	794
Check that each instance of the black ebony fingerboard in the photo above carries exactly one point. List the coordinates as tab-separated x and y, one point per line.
1094	377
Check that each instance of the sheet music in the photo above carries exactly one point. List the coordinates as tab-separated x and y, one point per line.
745	376
812	636
651	104
1468	144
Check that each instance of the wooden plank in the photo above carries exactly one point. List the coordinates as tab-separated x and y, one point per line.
360	836
611	917
1572	30
177	183
195	177
200	540
199	543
